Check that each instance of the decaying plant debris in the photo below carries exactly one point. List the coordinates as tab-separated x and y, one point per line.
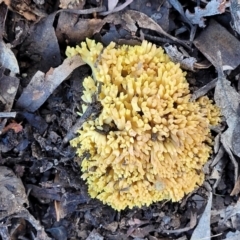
43	196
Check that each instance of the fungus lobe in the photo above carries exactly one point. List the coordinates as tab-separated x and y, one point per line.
157	141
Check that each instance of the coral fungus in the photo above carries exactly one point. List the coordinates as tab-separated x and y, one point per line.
158	139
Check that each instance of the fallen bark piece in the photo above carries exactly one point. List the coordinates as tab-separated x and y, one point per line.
42	85
216	38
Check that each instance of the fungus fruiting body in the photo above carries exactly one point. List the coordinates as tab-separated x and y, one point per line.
158	140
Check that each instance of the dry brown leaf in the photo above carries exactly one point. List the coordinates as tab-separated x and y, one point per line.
72	30
23	9
236	189
16	127
142	232
136	221
192	224
112	227
7	2
72	4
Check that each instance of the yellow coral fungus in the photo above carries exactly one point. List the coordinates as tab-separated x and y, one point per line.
159	140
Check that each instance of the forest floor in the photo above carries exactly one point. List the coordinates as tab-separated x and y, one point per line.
42	193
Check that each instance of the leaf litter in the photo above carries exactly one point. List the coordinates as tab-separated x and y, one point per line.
39	111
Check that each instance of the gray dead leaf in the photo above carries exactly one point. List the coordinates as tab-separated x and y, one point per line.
12	201
116	8
8	89
41	234
227	98
39	1
8	59
133	18
42	85
136	221
217	171
72	4
232	236
230	212
142	232
112	227
219	155
226	140
44	54
192	224
223	41
203	231
186	62
235	12
13	195
178	6
112	4
94	235
182	238
214	7
217	144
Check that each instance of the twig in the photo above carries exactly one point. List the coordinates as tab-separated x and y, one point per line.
118	8
8	114
72	132
203	90
84	11
95	107
158	39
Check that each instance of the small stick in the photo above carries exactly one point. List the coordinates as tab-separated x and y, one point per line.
8	114
72	132
203	90
84	11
